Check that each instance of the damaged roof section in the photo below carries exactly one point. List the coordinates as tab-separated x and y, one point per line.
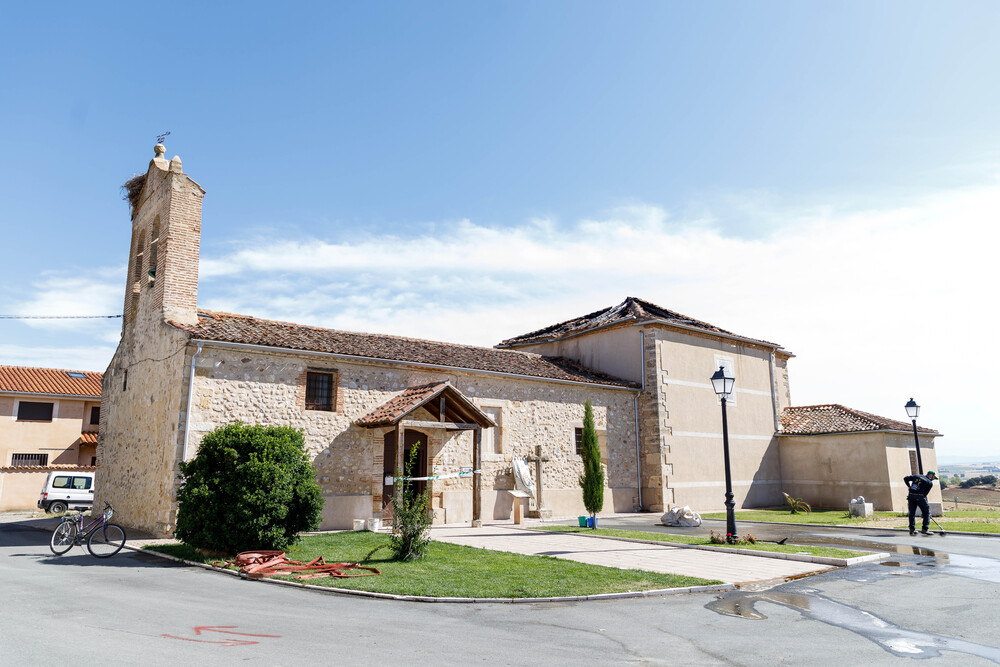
631	310
834	418
243	329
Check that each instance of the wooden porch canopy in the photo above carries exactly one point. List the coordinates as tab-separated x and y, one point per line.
451	410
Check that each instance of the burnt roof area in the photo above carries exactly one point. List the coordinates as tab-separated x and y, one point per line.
632	309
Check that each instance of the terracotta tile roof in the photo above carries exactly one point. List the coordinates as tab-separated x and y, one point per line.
233	328
88	438
28	380
398	407
833	418
629	310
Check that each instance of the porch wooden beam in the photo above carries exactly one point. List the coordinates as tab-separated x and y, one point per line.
441	408
451	426
477	477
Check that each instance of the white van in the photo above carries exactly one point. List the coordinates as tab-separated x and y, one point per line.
65	490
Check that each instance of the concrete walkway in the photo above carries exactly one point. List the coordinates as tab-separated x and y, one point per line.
729	568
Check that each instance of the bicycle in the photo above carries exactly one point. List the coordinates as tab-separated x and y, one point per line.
103	539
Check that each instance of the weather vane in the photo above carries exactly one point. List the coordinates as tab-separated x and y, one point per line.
161	137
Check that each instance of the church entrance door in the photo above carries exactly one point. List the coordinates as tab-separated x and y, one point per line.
410	438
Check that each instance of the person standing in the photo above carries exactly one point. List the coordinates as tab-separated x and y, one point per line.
920	486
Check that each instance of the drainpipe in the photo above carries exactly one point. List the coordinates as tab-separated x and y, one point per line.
187	418
635	402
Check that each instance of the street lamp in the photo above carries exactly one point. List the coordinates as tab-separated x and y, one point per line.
723	386
913	411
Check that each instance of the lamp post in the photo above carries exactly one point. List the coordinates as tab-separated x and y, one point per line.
723	386
913	411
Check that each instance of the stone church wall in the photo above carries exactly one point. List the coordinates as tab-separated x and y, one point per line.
258	387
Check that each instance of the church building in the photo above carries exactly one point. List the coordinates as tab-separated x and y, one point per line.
362	399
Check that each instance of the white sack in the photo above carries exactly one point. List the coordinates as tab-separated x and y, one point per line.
681	516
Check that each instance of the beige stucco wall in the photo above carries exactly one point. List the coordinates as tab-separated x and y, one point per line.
58	438
692	421
256	386
615	351
828	471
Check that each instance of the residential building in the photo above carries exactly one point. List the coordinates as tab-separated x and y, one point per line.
49	420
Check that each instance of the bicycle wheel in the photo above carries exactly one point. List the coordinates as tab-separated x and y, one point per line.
63	538
106	541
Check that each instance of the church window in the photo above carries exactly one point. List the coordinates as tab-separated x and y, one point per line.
321	391
602	442
492	437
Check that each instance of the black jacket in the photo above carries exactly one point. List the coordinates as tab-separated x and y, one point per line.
919	485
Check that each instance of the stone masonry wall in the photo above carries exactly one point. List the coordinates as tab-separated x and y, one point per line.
268	388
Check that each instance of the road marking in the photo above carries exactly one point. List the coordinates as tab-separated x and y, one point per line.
224	629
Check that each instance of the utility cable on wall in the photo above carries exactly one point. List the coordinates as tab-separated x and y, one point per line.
58	317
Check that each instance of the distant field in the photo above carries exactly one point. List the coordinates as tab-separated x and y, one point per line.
974	498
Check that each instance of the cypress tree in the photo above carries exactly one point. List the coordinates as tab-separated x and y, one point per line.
592	479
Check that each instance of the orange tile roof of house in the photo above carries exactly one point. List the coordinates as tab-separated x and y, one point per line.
88	438
630	310
834	418
54	381
247	330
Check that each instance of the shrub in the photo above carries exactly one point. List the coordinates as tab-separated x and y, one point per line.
410	516
592	479
249	487
797	505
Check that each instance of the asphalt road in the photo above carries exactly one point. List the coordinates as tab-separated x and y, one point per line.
935	599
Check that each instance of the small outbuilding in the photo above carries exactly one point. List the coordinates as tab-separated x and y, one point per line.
831	454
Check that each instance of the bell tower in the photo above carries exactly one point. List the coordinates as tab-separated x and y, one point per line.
162	281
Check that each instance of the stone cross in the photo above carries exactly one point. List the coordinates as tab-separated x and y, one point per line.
540	511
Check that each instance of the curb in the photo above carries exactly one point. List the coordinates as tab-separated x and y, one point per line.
804	558
902	531
424	598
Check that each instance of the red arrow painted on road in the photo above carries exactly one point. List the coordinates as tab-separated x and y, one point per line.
224	629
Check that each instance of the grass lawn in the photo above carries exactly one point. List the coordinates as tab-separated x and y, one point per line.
833	517
827	552
974	521
451	570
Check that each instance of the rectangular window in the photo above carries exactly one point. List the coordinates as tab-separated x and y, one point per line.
95	415
29	411
62	482
82	483
320	391
29	460
492	443
602	442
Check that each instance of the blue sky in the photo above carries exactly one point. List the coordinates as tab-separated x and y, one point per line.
819	174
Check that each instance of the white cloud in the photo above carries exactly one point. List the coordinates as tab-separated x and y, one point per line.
878	304
80	358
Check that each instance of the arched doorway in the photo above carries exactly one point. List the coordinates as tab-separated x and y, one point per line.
410	438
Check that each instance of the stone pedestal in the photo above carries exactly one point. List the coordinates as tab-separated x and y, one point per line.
863	510
936	509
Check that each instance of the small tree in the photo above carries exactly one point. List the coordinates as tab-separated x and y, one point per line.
249	487
410	516
592	479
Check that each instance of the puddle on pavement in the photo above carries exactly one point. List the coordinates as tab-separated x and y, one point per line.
894	639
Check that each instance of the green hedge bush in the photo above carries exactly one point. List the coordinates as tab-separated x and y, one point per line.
249	487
